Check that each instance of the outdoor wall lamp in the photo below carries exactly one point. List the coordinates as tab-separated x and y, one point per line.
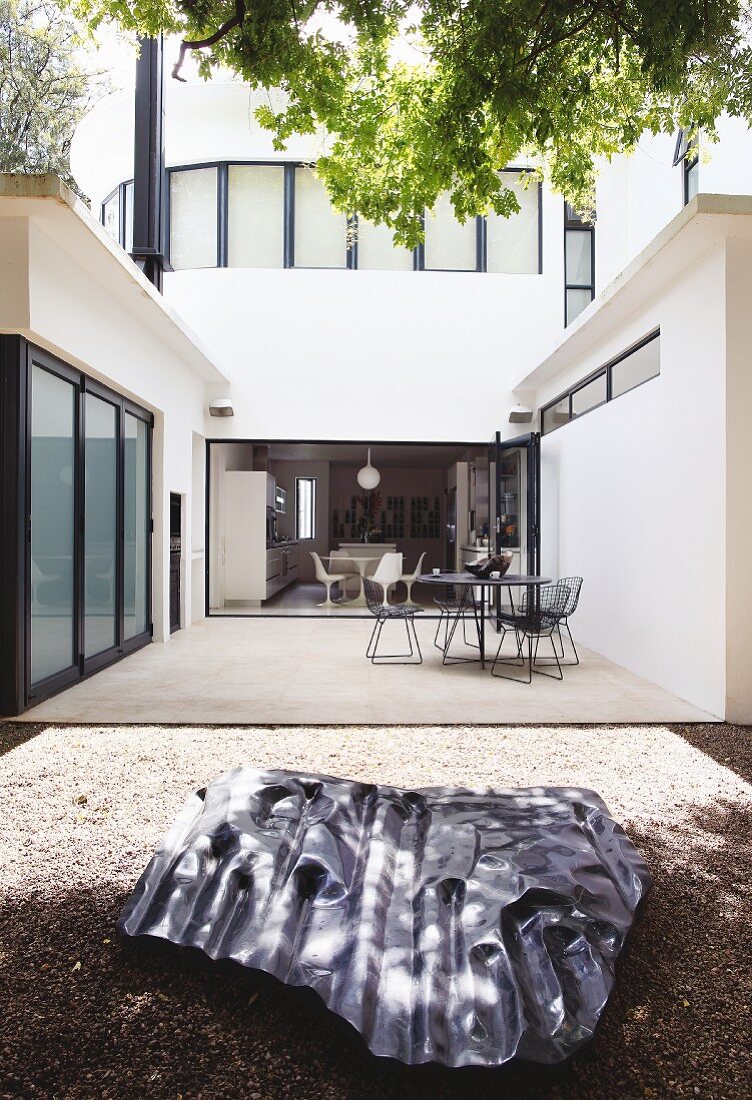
221	406
520	414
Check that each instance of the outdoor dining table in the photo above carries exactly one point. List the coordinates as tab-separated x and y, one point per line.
361	564
487	584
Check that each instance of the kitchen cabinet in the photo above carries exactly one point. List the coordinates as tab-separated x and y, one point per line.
253	571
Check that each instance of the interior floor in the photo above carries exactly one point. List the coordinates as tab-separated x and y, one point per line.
308	670
306	599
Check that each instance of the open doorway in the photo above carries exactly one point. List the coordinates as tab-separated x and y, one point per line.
277	506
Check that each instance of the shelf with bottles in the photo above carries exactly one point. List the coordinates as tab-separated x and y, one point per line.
425	518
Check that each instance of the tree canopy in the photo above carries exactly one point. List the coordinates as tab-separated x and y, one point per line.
428	96
44	89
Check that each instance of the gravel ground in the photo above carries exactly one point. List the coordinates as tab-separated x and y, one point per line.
87	1016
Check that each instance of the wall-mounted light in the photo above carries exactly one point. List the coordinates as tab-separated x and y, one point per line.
221	406
520	414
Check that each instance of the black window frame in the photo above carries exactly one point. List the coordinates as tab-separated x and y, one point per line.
314	500
290	167
17	692
120	191
573	223
686	153
606	369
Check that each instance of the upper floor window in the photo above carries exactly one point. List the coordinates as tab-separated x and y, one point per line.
193	218
273	215
686	153
117	215
579	263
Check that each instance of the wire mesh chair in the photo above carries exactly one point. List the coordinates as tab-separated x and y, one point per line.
538	616
383	613
574	584
455	602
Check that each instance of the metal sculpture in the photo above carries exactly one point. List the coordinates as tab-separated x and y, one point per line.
446	925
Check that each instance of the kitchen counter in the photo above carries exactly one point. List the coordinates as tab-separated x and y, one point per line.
284	542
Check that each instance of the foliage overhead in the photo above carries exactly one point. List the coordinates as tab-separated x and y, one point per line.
44	90
438	95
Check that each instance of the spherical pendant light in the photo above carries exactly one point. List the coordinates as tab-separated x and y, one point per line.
368	475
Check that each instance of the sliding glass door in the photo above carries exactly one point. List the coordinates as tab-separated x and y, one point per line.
88	568
53	649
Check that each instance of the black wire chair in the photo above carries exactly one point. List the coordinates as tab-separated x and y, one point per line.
455	602
538	616
384	613
574	584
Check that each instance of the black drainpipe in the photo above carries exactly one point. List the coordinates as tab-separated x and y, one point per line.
149	179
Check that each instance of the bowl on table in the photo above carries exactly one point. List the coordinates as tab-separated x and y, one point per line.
494	563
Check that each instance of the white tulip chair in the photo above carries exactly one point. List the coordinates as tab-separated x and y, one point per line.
409	579
387	573
324	577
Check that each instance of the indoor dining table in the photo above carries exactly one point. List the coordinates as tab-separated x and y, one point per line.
531	583
361	564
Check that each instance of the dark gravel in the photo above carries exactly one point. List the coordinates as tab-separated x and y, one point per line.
86	1016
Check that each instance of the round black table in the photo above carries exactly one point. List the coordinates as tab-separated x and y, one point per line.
469	580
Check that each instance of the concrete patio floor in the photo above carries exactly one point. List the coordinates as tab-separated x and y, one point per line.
298	671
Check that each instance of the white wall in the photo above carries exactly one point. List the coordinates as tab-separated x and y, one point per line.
74	317
738	601
632	497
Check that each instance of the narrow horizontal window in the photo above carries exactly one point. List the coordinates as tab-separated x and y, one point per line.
255	215
305	507
513	243
639	366
588	396
193	218
320	230
449	245
555	415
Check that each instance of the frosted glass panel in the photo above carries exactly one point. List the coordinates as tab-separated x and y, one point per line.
642	364
578	257
136	522
513	241
377	251
449	245
100	531
587	397
320	232
693	180
256	201
111	216
577	300
193	218
53	466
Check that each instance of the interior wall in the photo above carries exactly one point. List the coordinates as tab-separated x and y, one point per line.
285	473
405	482
632	499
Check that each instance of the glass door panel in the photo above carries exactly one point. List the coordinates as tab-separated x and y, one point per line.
136	517
100	528
53	511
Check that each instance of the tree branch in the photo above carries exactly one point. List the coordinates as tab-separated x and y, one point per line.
200	44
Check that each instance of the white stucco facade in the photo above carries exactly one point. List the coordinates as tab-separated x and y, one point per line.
646	497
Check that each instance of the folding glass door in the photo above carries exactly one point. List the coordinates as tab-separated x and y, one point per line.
515	499
88	562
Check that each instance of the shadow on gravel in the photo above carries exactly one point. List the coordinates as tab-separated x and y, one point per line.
14	734
88	1016
730	746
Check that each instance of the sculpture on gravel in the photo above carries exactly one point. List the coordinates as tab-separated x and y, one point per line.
446	925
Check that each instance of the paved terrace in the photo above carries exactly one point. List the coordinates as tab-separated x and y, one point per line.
297	671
